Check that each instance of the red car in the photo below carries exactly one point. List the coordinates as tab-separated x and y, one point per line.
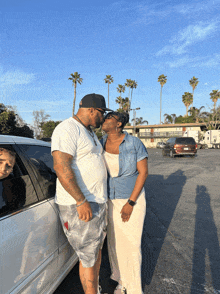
180	146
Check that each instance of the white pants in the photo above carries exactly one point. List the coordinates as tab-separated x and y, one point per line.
124	243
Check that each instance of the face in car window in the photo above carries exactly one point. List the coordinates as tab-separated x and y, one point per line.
7	162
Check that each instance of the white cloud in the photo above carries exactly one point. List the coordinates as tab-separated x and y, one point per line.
208	61
189	36
16	77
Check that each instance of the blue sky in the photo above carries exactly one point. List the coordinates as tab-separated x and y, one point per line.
42	42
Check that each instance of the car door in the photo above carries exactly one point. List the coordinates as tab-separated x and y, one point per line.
28	230
41	161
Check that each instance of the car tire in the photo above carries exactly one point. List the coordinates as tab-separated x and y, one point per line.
192	156
171	154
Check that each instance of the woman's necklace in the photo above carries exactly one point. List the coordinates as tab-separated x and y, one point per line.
90	132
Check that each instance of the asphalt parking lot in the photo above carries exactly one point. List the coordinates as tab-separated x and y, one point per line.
180	244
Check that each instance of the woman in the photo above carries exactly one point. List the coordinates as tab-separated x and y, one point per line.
126	161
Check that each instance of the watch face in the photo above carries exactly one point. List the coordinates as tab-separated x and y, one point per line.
132	203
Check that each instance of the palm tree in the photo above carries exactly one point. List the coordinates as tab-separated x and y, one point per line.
173	118
162	79
121	89
119	100
108	80
123	103
75	78
126	104
214	96
196	113
131	84
167	118
127	84
187	99
140	121
193	83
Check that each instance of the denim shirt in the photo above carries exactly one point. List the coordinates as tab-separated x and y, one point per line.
131	150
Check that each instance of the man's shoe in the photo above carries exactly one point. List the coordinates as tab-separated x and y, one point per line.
120	290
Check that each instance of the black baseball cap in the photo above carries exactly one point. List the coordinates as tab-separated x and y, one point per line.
93	100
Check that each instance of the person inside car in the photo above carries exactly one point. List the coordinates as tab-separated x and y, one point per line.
7	162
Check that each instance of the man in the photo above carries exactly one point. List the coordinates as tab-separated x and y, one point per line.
81	192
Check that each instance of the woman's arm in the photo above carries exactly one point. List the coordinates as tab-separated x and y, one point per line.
142	168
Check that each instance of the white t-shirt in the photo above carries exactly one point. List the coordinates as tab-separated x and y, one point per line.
88	164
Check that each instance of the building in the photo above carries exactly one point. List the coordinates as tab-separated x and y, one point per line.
150	135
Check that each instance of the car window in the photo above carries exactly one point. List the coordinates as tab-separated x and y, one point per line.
42	162
185	140
16	190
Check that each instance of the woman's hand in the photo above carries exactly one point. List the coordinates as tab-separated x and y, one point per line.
126	212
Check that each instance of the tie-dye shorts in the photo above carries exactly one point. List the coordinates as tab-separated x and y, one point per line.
86	238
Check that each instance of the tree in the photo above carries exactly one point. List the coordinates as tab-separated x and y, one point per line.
108	80
121	89
167	118
48	128
173	118
162	79
75	78
140	121
39	119
9	124
187	99
184	119
123	104
214	96
119	100
131	84
7	120
193	83
196	113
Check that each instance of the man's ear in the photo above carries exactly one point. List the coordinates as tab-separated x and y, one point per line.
91	110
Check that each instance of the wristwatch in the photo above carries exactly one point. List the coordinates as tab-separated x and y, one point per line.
132	203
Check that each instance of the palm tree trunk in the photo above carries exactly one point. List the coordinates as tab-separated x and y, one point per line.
187	110
130	100
108	95
74	100
193	98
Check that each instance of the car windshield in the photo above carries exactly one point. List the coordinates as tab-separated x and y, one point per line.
185	140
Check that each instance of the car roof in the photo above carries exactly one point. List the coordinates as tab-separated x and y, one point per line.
7	139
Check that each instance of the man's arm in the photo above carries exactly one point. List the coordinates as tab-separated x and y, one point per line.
62	166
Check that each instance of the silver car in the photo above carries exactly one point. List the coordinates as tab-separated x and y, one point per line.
35	255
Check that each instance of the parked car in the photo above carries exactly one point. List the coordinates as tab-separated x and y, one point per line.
35	255
160	145
180	146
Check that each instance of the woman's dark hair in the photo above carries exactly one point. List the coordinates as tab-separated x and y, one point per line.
123	118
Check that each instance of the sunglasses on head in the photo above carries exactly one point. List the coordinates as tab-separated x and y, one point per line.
110	115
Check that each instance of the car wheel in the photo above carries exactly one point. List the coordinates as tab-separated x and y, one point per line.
171	154
193	155
163	153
